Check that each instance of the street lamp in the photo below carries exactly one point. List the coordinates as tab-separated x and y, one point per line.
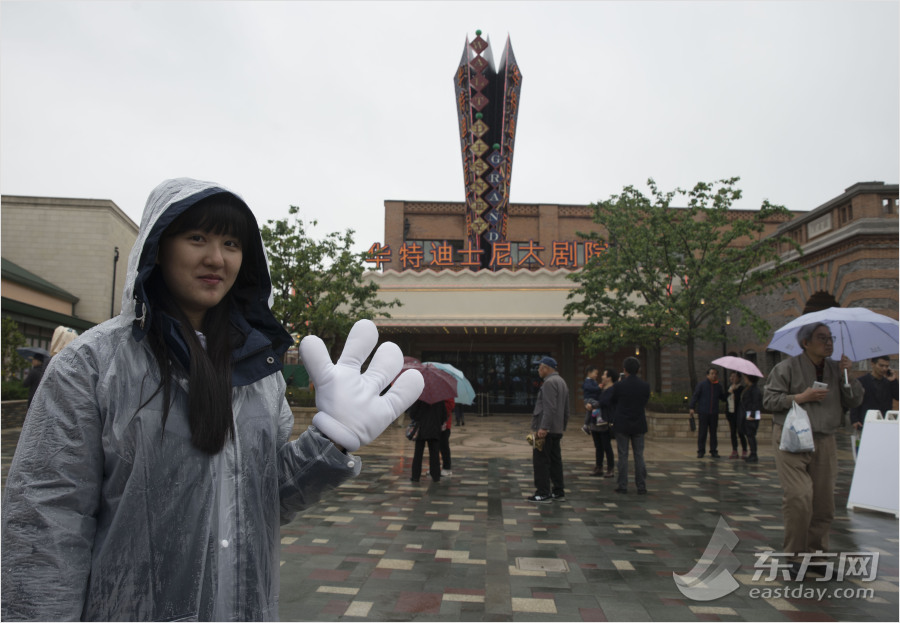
724	333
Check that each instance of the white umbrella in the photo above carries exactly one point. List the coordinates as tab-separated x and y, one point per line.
858	333
738	364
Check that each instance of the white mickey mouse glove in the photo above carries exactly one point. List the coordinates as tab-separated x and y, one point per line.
351	412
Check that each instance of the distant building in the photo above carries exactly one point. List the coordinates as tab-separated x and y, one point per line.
493	324
850	248
59	258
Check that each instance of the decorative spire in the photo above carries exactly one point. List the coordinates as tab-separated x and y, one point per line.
487	104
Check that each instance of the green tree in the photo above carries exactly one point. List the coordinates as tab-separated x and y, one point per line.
671	274
13	362
318	285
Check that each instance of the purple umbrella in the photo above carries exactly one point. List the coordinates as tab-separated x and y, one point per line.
439	385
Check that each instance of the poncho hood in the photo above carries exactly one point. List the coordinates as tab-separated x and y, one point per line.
166	203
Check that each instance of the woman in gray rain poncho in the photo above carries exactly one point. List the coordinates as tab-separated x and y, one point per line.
154	467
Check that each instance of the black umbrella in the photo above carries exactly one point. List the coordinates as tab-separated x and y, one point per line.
30	351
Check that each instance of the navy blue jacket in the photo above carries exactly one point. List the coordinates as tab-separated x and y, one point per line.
707	397
591	390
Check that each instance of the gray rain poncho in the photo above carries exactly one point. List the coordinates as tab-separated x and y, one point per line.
105	518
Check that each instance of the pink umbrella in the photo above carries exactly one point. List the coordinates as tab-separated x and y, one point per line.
439	385
738	365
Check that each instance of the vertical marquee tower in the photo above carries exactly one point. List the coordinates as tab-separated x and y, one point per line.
487	102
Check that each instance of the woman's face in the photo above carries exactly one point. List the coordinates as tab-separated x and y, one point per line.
199	269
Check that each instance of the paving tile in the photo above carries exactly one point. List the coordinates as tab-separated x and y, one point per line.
381	549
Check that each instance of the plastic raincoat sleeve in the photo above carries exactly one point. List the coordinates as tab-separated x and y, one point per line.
51	498
309	467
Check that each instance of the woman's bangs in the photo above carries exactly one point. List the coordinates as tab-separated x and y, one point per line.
221	214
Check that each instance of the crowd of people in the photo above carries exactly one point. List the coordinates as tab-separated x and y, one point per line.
615	406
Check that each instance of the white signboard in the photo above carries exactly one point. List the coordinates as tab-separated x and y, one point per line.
875	477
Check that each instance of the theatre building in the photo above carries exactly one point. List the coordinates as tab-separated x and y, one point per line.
495	324
483	282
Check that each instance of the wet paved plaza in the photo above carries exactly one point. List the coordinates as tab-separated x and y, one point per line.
471	548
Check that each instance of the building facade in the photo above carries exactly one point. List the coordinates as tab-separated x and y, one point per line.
495	323
64	262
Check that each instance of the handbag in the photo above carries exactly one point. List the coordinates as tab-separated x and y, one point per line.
412	431
693	424
796	436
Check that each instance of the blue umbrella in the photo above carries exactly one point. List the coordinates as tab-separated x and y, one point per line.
465	393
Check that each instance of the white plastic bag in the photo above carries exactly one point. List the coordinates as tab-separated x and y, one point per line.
796	436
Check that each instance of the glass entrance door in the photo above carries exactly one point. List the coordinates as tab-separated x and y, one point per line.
506	382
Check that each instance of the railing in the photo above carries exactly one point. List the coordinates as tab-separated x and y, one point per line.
483	400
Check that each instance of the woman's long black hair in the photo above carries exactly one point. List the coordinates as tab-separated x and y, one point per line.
209	371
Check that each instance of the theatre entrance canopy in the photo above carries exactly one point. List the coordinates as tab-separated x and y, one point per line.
476	302
494	326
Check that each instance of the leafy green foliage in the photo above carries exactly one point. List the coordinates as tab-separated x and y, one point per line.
671	274
13	362
13	390
318	285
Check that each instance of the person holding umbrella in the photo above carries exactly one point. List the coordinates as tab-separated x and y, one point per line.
430	418
736	413
733	413
817	382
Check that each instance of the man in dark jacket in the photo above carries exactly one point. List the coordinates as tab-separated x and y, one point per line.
627	400
706	400
881	391
551	414
429	417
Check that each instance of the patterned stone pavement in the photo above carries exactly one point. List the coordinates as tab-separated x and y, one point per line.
470	548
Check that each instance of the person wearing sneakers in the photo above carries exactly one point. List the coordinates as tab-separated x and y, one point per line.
551	414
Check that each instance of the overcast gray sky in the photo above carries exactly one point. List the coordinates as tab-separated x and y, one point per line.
337	106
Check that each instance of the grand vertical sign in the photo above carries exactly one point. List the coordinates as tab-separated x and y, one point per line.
487	104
